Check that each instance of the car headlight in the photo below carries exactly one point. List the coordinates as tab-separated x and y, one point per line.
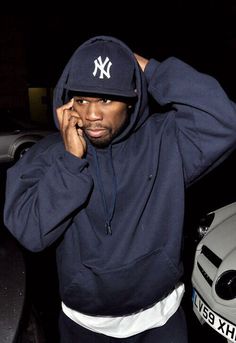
226	285
205	223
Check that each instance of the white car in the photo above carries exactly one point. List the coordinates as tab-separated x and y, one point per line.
214	272
17	136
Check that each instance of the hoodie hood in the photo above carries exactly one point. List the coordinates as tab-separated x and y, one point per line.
127	81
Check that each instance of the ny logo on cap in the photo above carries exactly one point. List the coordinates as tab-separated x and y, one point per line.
99	64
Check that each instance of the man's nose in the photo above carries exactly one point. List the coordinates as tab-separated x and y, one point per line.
93	112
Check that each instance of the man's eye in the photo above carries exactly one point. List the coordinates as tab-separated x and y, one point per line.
106	101
80	101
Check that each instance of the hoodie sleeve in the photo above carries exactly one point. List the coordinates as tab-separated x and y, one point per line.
205	118
43	191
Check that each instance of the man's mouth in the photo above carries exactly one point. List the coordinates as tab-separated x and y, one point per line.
96	133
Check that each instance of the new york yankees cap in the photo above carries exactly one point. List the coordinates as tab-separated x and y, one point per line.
102	67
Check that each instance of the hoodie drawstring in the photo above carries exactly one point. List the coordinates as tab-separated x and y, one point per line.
108	211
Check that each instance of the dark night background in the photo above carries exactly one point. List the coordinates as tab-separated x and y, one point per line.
34	50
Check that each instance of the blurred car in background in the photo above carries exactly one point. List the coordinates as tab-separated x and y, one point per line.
214	272
20	319
17	136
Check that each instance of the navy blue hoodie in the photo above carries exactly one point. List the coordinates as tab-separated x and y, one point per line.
136	185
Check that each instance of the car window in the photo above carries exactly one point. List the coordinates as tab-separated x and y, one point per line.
8	124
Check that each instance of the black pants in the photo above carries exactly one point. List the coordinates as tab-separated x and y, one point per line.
174	331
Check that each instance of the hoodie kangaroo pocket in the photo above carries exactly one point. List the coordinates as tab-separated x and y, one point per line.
123	290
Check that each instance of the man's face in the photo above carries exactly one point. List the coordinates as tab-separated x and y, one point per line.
103	119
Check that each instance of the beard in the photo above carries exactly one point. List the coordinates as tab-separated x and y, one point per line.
109	134
100	142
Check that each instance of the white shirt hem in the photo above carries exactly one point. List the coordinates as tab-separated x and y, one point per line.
126	326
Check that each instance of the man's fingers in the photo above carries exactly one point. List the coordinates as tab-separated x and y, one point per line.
62	109
80	132
70	127
65	115
72	121
80	122
81	136
65	119
68	105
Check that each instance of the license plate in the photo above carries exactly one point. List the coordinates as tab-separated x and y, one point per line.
221	325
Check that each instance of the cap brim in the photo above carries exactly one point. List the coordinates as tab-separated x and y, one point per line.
103	91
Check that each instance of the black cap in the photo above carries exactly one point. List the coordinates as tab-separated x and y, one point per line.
102	67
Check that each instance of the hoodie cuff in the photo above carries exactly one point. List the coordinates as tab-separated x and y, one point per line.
150	68
72	163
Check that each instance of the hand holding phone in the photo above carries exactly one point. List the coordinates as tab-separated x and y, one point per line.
71	129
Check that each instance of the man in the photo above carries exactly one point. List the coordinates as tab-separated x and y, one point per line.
109	190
